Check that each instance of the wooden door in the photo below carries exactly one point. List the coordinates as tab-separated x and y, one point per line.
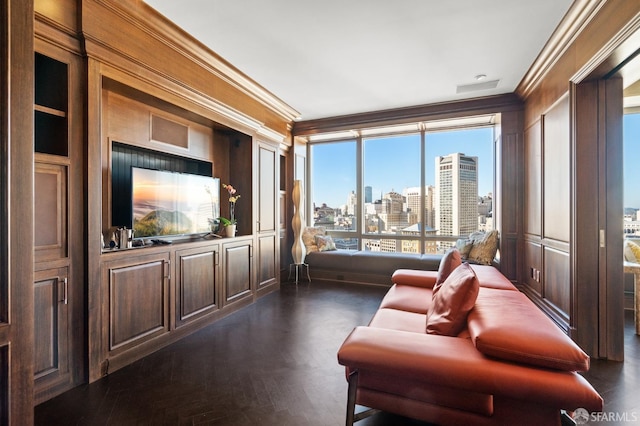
597	269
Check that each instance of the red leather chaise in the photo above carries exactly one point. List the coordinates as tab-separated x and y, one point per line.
510	364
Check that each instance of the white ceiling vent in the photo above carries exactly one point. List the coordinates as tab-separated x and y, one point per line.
485	85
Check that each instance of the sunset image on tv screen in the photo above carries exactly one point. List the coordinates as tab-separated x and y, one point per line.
168	203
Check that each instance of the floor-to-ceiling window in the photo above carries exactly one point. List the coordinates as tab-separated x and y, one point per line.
334	190
412	189
391	170
631	146
631	193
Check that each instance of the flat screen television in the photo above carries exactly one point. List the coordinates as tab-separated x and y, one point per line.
170	204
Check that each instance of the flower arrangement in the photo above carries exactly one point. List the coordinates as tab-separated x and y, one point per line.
233	198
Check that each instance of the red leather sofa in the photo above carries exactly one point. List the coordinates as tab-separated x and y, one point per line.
510	364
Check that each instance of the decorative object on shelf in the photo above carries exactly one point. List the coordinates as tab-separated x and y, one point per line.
124	237
229	227
230	223
298	250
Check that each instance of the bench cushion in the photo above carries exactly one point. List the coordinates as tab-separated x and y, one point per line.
371	262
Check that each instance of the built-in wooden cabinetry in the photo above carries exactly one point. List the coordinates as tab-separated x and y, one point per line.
152	295
58	223
117	85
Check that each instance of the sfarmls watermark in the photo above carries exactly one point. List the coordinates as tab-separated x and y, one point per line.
582	417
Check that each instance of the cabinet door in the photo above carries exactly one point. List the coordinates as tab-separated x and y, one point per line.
51	355
267	188
268	246
237	270
196	283
267	241
50	211
137	308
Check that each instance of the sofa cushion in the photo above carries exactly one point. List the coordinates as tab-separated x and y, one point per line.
450	261
414	277
408	298
506	325
490	277
395	319
453	301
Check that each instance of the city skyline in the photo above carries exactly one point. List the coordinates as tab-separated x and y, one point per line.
334	175
332	188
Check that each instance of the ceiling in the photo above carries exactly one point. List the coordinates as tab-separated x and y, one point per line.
336	57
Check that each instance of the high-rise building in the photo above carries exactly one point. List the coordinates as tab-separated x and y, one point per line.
392	214
413	205
368	194
352	204
456	203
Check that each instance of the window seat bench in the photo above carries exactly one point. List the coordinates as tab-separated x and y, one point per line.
366	267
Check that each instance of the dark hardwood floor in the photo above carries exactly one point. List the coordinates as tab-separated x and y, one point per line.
272	363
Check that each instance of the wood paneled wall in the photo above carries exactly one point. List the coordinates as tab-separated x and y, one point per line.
564	177
16	212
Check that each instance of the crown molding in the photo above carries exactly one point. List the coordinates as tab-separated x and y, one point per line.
165	31
397	116
573	23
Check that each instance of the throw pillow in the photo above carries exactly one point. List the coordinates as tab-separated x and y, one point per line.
453	302
325	243
484	250
450	261
464	246
309	237
631	251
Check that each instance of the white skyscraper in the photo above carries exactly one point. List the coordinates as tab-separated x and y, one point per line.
456	203
352	204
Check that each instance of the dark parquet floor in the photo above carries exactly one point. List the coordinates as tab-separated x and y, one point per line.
270	364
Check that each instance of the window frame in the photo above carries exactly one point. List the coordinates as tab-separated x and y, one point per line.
421	128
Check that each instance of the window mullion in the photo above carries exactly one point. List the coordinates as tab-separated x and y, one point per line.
423	195
359	192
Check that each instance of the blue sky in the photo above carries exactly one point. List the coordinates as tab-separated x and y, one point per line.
334	175
393	163
631	158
